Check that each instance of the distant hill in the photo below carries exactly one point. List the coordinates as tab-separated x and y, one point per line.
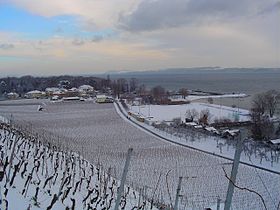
197	70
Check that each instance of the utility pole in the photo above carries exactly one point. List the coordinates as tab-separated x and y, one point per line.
218	203
178	193
234	171
125	170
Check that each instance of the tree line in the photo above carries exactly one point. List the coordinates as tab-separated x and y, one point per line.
264	107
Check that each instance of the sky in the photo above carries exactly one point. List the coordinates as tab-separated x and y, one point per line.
52	37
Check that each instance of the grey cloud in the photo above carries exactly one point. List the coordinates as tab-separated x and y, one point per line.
97	38
271	9
78	42
6	46
155	14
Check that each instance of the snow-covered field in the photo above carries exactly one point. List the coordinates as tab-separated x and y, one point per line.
44	174
101	135
253	153
169	112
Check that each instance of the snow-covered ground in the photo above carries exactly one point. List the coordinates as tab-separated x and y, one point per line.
101	135
260	157
169	112
52	177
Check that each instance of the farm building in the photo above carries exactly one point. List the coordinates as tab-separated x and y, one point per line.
71	98
86	88
35	94
104	99
230	133
12	95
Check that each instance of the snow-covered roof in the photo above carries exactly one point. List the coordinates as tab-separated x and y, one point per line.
232	132
210	129
191	123
12	94
73	89
198	126
86	87
101	96
52	89
55	97
275	141
71	98
35	92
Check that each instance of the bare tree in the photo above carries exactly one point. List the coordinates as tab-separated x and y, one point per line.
184	92
142	90
133	84
262	127
258	103
272	97
204	116
266	102
158	93
191	114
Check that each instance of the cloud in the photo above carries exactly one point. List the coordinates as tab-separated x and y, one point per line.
78	42
156	14
271	9
99	13
6	46
97	38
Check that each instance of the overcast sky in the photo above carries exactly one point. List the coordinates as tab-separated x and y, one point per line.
50	37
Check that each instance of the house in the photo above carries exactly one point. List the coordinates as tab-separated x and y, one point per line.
230	133
275	141
104	99
74	98
35	94
73	92
212	130
86	88
51	90
12	95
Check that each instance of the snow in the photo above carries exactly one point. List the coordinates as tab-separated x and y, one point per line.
71	98
217	146
212	129
103	136
275	141
232	132
169	112
3	119
210	144
38	163
191	123
34	92
101	96
86	88
52	89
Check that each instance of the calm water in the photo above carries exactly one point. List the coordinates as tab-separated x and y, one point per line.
224	82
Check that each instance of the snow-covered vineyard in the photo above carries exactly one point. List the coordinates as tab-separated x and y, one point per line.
100	135
44	174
